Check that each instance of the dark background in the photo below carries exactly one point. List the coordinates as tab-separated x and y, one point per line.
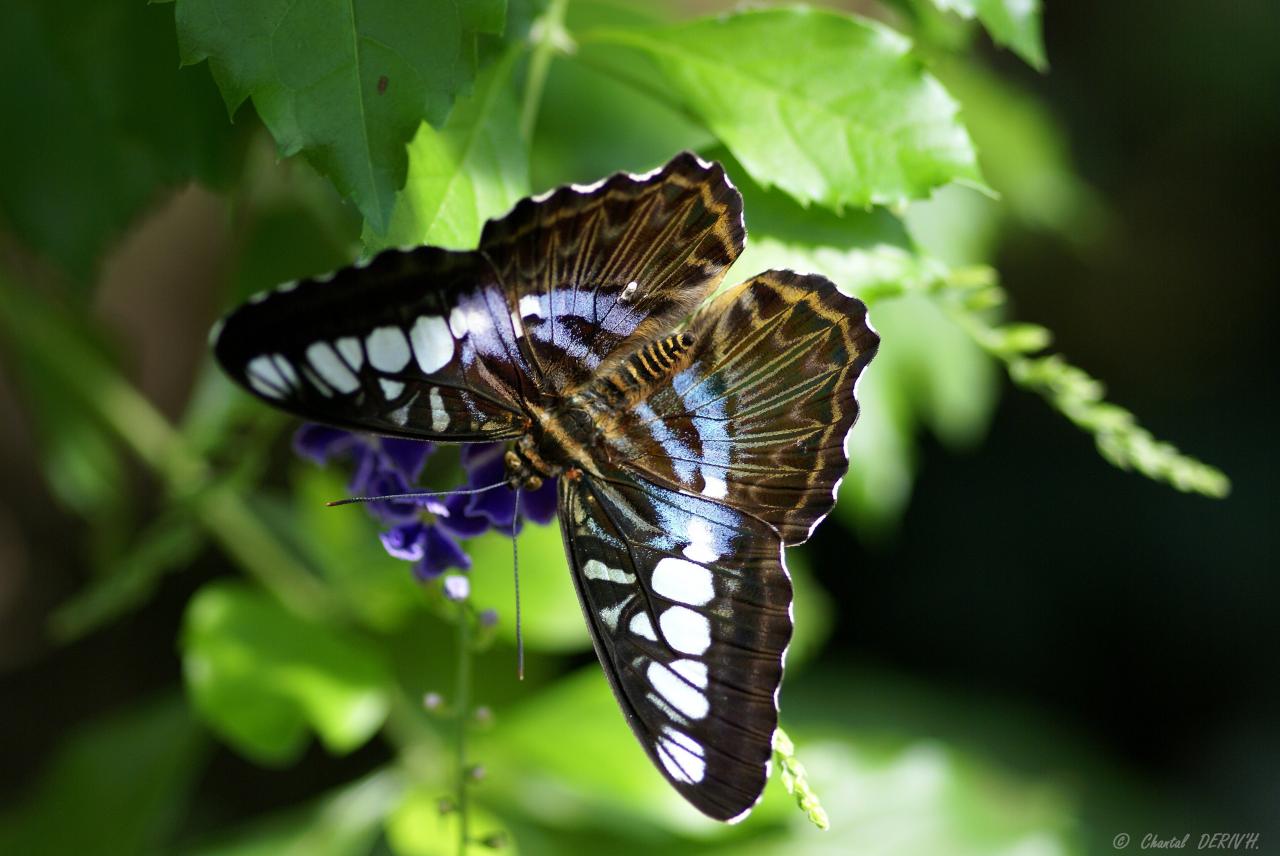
1141	620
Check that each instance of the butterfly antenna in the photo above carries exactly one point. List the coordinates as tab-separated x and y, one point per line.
349	500
515	569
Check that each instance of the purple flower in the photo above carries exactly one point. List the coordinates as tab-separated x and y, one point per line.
426	530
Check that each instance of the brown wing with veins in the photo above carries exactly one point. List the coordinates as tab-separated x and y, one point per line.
594	272
758	416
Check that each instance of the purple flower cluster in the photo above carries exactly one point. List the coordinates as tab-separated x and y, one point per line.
426	530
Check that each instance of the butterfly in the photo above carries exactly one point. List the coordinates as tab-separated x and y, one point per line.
692	438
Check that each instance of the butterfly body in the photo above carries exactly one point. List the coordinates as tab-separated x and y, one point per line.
691	439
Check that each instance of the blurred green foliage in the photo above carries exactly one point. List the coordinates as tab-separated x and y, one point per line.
857	148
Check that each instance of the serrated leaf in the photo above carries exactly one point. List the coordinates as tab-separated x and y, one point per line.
261	676
474	168
1015	24
348	91
831	108
866	253
100	119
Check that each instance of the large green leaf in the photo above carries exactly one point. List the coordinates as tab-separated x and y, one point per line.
99	119
346	85
474	168
866	253
116	787
1012	23
832	109
260	676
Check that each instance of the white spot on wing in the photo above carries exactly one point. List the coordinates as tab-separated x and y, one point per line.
682	697
391	389
331	368
683	765
401	414
458	322
432	344
594	569
388	349
714	487
530	306
686	630
694	671
439	416
641	626
701	542
683	581
286	370
349	347
610	615
265	377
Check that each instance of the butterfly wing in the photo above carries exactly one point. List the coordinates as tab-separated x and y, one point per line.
757	419
416	343
594	271
688	603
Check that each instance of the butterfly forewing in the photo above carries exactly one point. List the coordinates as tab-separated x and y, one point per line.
688	603
758	416
417	343
593	272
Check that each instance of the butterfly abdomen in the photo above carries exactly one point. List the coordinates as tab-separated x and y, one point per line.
646	367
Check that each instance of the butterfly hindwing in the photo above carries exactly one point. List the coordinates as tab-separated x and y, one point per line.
594	271
757	417
416	343
688	603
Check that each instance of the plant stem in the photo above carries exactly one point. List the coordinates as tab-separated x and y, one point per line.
462	709
548	36
222	512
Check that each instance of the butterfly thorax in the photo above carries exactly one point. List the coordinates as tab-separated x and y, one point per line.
578	430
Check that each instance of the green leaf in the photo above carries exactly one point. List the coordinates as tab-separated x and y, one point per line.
474	168
928	373
96	128
1024	153
345	822
866	253
832	109
346	90
1013	23
550	615
417	828
116	787
342	543
260	675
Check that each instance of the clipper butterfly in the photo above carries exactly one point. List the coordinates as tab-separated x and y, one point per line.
693	439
